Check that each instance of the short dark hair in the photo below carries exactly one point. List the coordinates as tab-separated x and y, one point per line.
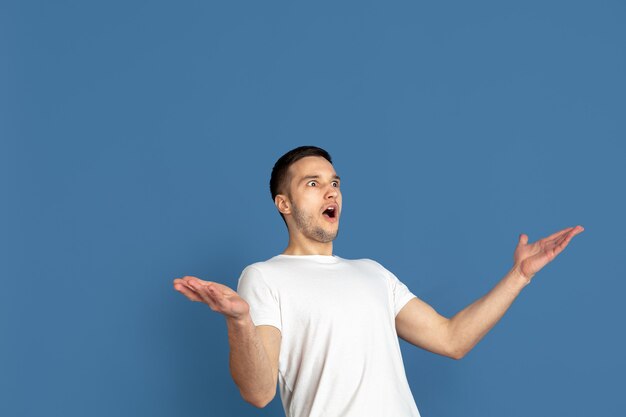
279	181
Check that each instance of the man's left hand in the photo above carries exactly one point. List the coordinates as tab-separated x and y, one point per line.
530	258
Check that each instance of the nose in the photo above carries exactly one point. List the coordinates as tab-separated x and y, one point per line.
332	192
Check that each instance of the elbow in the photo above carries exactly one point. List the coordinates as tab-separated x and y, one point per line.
456	347
457	353
261	403
258	401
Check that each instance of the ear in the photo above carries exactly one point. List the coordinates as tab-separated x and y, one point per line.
282	204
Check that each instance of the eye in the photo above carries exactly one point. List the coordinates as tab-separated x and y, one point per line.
312	182
335	184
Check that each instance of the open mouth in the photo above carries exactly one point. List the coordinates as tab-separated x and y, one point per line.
330	212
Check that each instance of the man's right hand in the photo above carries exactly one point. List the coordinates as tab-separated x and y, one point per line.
254	350
217	296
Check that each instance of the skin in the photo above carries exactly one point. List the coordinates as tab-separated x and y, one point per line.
254	351
310	233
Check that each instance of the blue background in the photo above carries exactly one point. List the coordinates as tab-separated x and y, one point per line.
136	143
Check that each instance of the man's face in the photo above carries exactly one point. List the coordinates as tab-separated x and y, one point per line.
315	198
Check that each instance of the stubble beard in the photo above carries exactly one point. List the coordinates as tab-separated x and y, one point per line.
305	223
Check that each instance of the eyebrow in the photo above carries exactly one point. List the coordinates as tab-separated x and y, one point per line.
314	177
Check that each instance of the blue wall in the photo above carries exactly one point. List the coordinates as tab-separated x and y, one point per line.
136	143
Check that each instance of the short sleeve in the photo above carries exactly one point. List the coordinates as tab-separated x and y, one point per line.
263	301
401	293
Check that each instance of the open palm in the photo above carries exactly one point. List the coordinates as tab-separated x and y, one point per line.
217	296
530	258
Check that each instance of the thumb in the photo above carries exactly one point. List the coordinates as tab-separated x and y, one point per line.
523	239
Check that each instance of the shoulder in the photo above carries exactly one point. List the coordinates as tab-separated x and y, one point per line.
371	264
263	265
262	270
389	276
370	267
253	279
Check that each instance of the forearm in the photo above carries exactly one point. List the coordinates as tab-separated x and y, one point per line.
249	363
472	323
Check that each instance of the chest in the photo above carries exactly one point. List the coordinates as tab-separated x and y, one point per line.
335	298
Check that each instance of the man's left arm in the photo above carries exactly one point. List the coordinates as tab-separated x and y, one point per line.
419	324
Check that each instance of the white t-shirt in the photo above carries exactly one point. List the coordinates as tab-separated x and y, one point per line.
339	354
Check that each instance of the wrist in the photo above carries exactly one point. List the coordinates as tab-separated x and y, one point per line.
518	276
242	320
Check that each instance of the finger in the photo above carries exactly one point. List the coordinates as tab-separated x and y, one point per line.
573	232
181	281
207	294
187	292
523	239
188	278
182	285
211	293
205	298
557	234
197	287
218	291
563	242
189	286
216	296
568	237
555	242
194	283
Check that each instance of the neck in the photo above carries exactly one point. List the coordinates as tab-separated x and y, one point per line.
308	248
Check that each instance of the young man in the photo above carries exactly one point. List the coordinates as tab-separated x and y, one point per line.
326	328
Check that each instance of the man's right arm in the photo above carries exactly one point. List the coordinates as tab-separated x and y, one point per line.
254	359
254	350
